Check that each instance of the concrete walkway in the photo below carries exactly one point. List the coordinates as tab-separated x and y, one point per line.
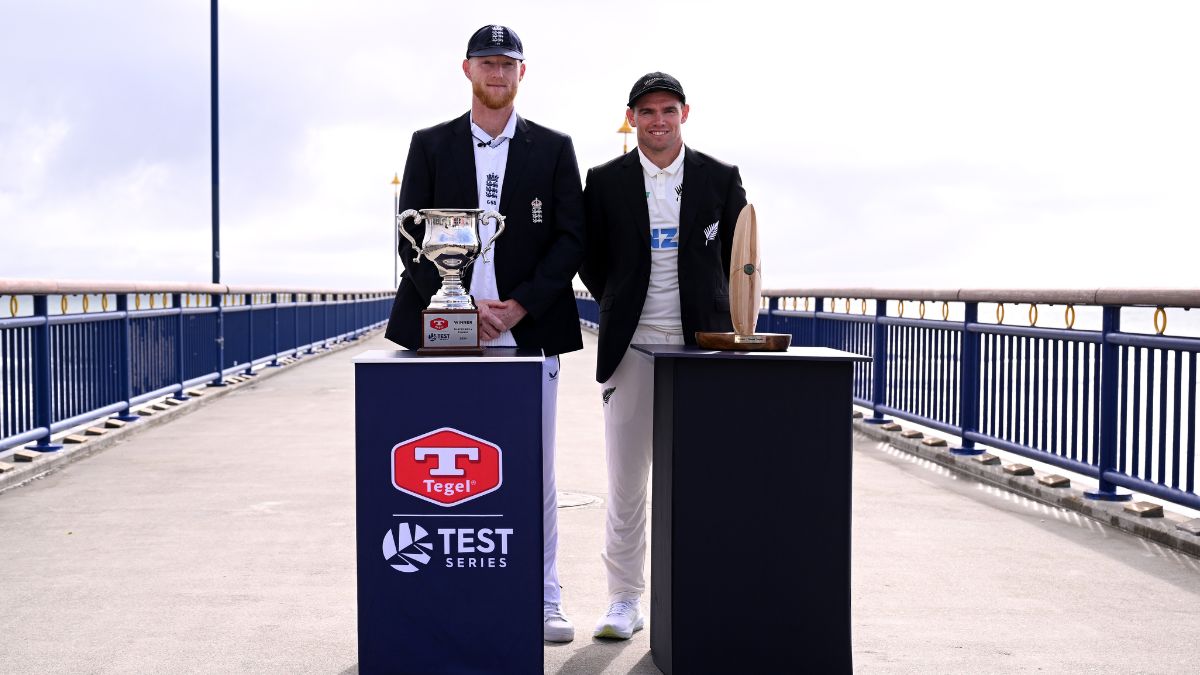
223	542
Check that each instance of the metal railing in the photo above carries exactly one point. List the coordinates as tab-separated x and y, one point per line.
75	352
1118	406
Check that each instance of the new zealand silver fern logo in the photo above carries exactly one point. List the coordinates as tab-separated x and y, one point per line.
710	232
405	549
607	394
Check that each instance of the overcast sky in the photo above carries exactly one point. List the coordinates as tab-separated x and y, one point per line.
901	144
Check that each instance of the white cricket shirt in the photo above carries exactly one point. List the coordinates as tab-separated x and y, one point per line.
491	158
664	192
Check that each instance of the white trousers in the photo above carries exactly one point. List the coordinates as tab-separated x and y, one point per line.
628	400
550	588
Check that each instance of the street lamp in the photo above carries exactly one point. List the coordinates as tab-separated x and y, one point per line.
625	129
215	152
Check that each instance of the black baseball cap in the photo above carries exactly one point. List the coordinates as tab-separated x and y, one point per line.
655	81
495	40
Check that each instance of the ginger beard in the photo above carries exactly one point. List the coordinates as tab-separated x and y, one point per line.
493	99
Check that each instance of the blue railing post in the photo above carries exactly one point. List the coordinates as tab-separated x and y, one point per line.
248	300
818	307
1109	375
294	300
319	331
219	343
43	383
879	356
125	367
177	300
968	392
330	319
275	323
312	323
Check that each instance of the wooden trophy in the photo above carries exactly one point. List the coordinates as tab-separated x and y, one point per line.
745	296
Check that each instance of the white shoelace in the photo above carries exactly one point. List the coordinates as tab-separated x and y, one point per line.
622	608
551	610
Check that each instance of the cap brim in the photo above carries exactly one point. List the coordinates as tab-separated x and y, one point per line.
497	51
651	90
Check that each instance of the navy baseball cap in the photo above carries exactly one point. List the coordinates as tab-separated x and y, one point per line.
655	81
495	40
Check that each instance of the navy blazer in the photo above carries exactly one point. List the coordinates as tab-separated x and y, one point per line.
616	267
534	261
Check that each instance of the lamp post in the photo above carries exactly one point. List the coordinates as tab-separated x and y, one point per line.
216	149
625	129
395	231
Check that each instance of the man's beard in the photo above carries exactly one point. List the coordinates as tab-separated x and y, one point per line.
491	99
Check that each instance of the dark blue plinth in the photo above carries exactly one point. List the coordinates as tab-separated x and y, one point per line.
448	484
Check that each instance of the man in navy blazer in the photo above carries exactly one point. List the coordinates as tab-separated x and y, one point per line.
660	224
491	158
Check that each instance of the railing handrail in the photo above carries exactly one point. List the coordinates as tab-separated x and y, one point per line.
75	287
61	365
1147	297
1103	403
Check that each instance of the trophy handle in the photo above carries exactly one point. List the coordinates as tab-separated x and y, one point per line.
416	218
499	229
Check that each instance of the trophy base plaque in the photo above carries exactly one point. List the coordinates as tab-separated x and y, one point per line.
755	342
450	332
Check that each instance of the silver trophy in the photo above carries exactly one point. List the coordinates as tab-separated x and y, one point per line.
452	243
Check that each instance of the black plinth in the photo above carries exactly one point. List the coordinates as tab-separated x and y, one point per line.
750	552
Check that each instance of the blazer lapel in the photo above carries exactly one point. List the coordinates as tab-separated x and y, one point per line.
633	187
695	187
462	158
519	148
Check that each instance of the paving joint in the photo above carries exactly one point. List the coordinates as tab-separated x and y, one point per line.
1166	528
152	414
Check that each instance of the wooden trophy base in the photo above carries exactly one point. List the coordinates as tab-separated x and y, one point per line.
450	332
733	342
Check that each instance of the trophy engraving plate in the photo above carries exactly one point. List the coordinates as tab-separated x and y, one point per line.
447	330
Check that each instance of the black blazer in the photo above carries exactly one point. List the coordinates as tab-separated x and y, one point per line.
616	267
535	262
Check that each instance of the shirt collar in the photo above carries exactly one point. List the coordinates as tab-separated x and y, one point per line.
652	169
510	130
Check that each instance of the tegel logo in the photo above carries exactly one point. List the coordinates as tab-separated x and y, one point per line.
405	549
439	324
446	467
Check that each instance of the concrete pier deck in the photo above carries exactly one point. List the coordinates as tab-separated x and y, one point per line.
223	542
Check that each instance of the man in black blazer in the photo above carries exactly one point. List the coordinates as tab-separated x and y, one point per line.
491	158
660	223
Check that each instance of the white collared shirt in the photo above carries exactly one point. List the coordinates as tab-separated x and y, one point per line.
664	193
491	158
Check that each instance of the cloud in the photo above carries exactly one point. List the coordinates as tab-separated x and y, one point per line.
930	143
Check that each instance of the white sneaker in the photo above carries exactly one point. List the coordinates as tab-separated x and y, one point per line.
621	621
555	626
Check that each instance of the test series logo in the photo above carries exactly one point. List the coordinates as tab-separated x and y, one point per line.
446	467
